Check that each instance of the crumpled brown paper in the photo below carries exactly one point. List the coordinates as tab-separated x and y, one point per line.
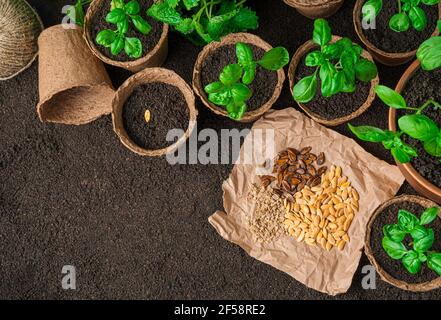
375	180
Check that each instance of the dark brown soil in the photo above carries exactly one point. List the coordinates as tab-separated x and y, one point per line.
168	110
263	85
148	41
336	106
395	267
420	88
388	40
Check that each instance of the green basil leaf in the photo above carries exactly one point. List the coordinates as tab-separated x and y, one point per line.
394	232
322	32
411	151
365	70
236	110
418	18
244	54
305	90
133	47
430	2
399	22
425	243
338	82
429	215
314	59
344	43
327	72
433	146
249	73
418	126
348	58
214	87
395	250
132	7
368	133
332	51
434	262
163	12
141	25
221	98
275	59
390	97
349	84
118	45
419	232
400	155
123	26
429	53
240	93
371	9
407	220
116	15
190	4
105	38
117	4
231	74
412	262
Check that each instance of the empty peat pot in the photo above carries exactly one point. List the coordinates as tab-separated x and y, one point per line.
155	44
357	107
393	271
415	179
215	56
388	56
315	8
147	106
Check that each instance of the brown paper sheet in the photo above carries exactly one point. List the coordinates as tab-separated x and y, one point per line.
375	180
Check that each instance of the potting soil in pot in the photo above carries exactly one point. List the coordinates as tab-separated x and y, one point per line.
149	41
395	267
388	40
263	85
421	87
167	109
336	106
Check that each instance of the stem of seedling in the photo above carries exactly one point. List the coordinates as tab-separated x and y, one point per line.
399	6
429	102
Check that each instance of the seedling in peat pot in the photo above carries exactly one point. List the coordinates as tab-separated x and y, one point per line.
121	15
232	91
422	241
337	64
409	13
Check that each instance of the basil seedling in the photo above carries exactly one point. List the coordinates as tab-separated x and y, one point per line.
409	13
338	65
429	52
231	91
422	241
417	125
121	15
203	21
76	12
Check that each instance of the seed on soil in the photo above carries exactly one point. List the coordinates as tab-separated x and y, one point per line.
147	116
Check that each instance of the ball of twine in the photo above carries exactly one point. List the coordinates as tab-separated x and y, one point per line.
20	26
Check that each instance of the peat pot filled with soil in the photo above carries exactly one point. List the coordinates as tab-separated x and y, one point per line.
403	242
265	87
337	108
417	87
121	34
148	106
315	8
395	36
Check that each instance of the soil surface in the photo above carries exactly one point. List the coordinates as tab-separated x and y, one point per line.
263	85
148	41
395	267
388	40
136	227
338	105
429	83
168	110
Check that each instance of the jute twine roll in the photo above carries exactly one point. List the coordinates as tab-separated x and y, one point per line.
20	26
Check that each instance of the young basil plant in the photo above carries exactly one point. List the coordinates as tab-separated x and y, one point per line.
232	91
203	21
429	52
338	65
76	12
416	125
121	14
422	240
409	13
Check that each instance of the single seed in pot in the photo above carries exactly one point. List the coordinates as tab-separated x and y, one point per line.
147	115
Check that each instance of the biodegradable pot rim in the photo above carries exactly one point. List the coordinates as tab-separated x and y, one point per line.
325	8
131	65
296	60
402	57
232	39
151	75
311	5
31	61
415	287
407	167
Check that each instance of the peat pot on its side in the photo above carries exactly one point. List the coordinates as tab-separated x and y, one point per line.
315	8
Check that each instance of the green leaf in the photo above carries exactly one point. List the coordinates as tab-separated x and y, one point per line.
433	146
327	72
217	24
249	73
231	74
245	19
418	18
118	45
332	51
430	2
394	232
365	70
390	97
434	262
185	26
240	93
412	262
425	243
429	53
348	59
244	54
368	133
338	82
429	215
322	32
371	9
133	47
395	250
163	12
221	98
419	232
117	4
116	15
141	25
214	87
422	257
418	126
190	4
344	43
123	26
236	110
314	59
105	38
399	22
400	155
407	220
305	90
132	7
274	59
